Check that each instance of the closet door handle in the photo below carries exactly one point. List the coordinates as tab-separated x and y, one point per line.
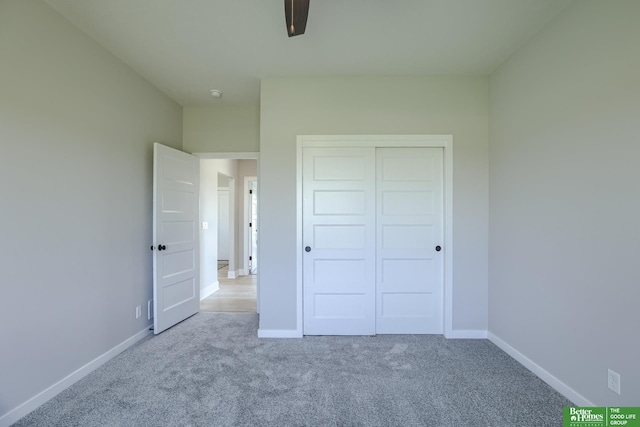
307	249
161	247
438	248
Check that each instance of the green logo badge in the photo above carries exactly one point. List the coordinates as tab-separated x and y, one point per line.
575	416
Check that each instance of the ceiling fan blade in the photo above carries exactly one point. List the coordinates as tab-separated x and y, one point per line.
296	12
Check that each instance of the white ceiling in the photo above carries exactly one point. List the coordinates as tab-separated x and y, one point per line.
186	47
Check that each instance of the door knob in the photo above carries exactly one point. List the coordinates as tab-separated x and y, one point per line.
307	249
161	247
438	248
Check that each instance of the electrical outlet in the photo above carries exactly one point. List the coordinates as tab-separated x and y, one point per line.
150	309
614	381
138	311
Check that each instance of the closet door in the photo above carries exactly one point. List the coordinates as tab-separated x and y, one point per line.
409	268
339	240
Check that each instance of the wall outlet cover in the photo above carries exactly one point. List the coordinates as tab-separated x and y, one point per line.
613	381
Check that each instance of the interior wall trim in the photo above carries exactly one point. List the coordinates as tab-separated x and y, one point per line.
540	372
50	392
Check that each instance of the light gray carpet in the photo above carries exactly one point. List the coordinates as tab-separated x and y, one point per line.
212	370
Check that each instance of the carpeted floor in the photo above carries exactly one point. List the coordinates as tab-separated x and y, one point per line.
212	370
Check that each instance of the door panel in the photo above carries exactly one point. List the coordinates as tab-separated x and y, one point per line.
176	289
341	309
404	169
177	293
406	271
409	282
340	166
397	305
339	236
406	237
338	273
339	229
339	203
407	203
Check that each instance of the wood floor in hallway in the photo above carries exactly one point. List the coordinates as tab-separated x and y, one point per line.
234	295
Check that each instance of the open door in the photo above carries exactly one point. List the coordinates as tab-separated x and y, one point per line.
176	288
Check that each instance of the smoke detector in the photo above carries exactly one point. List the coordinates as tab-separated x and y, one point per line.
216	93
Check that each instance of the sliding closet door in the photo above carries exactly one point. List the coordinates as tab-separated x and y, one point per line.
373	231
409	265
339	241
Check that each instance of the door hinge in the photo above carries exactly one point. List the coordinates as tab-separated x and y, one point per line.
250	258
250	191
249	224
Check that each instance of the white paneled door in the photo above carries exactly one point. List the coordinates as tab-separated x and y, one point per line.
409	262
339	241
176	291
372	236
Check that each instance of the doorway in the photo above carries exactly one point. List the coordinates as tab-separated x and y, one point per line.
224	254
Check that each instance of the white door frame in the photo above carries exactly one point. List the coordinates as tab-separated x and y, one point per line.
247	219
440	141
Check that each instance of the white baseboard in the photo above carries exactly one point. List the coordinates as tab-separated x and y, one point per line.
243	272
23	409
294	333
541	373
232	274
209	290
474	334
279	333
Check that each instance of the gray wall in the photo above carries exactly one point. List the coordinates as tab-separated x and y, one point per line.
76	132
372	105
221	128
565	205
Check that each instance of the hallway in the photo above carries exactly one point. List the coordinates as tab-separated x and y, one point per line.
234	295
